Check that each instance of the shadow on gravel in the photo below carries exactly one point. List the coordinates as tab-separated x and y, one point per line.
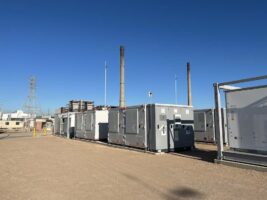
186	192
198	154
174	194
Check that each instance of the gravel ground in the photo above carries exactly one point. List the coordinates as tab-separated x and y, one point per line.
49	167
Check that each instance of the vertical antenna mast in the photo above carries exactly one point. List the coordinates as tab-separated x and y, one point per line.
175	88
189	93
105	83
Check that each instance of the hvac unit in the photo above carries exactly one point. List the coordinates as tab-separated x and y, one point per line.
116	125
92	124
204	125
155	127
79	125
57	124
96	124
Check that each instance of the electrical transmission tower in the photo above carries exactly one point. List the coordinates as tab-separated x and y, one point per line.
30	106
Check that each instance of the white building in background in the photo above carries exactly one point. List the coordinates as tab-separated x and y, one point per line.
19	115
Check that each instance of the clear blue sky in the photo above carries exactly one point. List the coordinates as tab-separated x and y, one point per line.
65	43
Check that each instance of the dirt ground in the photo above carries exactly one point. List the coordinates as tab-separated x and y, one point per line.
49	167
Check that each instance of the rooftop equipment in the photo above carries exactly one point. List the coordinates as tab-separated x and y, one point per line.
63	110
80	105
246	111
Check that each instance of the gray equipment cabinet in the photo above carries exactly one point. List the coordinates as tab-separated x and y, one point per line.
204	125
96	124
116	126
154	127
92	125
57	124
170	127
136	126
79	125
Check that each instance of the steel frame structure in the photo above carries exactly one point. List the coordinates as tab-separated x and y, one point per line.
227	86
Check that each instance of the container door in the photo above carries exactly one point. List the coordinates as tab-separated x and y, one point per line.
57	125
179	136
132	121
79	122
200	121
89	121
65	125
114	121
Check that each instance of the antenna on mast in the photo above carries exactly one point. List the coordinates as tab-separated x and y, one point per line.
175	89
106	67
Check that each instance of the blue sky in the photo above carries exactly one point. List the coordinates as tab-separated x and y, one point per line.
65	43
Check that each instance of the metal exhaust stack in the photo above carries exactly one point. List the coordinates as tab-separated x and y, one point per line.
189	95
122	96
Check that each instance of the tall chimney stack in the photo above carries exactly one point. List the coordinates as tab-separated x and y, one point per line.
189	95
122	97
